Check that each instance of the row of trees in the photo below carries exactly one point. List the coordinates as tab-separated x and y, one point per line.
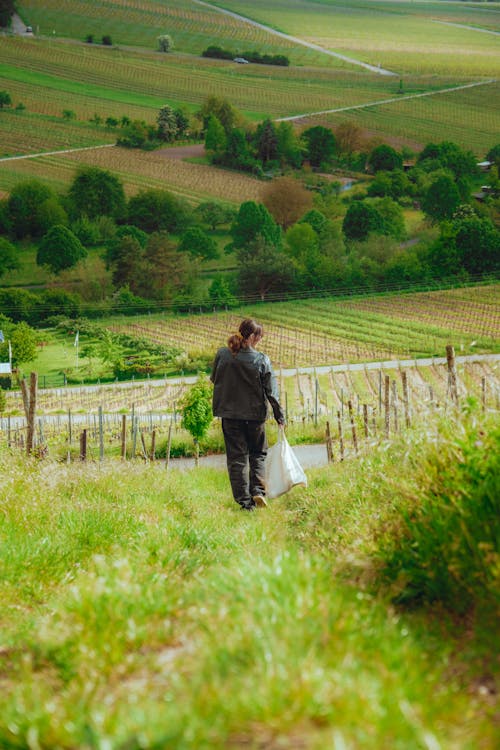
254	56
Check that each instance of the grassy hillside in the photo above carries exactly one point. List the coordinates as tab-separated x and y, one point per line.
143	610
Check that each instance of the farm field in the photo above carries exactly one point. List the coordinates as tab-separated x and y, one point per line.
49	75
406	37
328	331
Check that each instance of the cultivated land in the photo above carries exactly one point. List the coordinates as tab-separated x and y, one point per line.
425	44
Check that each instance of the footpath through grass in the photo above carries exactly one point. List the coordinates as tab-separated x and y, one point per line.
142	609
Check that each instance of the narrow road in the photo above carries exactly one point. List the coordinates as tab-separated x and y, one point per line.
302	42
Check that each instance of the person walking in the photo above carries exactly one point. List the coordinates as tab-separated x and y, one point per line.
244	382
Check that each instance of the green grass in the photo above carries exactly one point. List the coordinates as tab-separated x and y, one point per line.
142	609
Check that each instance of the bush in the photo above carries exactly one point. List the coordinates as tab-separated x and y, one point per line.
445	546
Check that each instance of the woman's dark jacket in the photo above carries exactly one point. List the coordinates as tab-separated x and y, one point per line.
243	383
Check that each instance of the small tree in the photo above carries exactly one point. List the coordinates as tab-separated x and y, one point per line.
107	41
165	43
196	406
167	123
23	342
60	249
197	243
5	100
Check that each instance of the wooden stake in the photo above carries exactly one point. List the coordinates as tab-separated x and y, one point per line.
387	385
406	398
365	420
353	426
124	437
341	436
83	445
169	443
329	444
395	405
153	445
452	374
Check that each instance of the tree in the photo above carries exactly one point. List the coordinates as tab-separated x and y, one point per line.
5	100
316	220
96	192
254	220
266	142
214	214
23	342
196	407
393	220
168	271
493	155
9	260
384	158
114	245
289	150
349	137
220	292
24	207
223	111
182	121
60	249
107	41
7	10
215	135
167	124
441	199
165	43
196	242
129	267
155	210
361	218
263	268
478	243
286	199
320	144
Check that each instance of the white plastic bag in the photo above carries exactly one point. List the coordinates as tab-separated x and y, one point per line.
283	471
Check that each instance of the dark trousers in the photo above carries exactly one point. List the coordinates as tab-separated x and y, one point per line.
246	450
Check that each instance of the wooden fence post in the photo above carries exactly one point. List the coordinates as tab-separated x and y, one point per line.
452	374
395	405
341	435
387	405
406	397
353	426
83	445
329	445
483	393
365	420
101	434
124	437
169	444
153	445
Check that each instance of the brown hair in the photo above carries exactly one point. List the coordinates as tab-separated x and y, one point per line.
238	340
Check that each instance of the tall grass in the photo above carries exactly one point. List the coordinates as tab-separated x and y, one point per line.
142	609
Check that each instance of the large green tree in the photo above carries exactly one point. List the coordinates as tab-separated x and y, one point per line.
60	249
97	192
223	111
196	242
441	199
360	219
320	144
155	210
384	158
263	268
266	142
215	135
31	206
167	124
254	220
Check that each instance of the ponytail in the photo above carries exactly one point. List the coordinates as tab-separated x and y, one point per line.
238	340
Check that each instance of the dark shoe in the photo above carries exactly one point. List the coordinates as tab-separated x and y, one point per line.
260	501
247	507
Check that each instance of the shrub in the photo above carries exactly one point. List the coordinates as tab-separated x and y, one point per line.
445	546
